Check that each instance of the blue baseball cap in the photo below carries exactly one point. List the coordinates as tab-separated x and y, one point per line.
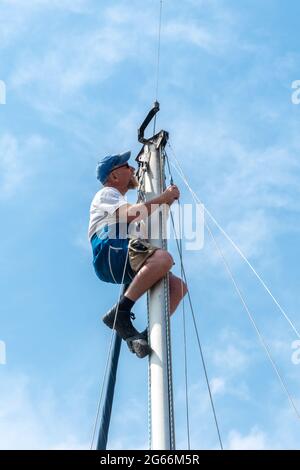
108	163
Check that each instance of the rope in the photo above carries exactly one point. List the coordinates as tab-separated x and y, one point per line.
108	358
196	199
261	339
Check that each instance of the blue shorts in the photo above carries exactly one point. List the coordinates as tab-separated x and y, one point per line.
109	259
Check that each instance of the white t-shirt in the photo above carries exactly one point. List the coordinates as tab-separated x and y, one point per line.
103	208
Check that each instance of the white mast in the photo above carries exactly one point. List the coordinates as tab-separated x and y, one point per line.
151	160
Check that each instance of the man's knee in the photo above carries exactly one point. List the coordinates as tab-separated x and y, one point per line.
179	286
163	260
167	260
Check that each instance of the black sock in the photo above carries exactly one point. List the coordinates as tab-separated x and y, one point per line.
126	304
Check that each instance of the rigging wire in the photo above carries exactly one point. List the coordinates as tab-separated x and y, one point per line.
158	58
200	347
261	339
195	325
158	49
196	199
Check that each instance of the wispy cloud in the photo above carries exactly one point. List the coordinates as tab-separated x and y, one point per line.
76	59
16	158
282	433
255	440
32	418
191	33
218	385
17	15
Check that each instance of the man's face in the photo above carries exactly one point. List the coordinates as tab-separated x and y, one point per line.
126	176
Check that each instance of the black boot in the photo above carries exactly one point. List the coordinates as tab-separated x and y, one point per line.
122	325
139	346
125	329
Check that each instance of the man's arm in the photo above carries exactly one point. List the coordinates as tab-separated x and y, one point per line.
130	212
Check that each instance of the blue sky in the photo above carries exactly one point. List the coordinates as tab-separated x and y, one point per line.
79	79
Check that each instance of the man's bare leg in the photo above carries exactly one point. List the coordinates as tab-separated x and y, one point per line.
178	289
154	269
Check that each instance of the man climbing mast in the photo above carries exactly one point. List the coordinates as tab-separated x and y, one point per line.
120	258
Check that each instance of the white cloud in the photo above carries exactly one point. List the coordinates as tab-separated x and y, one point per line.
31	417
2	353
191	33
17	161
2	92
280	434
261	175
70	5
230	359
231	353
252	233
206	24
285	431
255	440
217	385
17	15
76	59
73	65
